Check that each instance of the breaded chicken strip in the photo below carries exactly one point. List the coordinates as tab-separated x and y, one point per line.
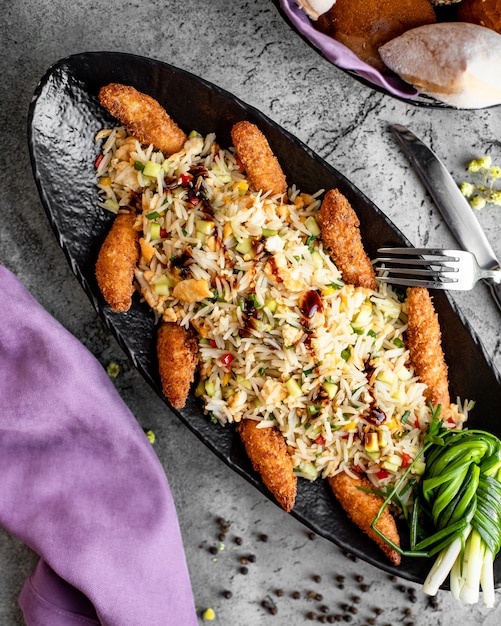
362	508
143	117
116	262
261	165
424	340
177	353
267	451
340	234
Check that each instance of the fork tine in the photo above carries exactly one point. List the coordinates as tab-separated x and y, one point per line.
430	273
435	252
444	264
414	282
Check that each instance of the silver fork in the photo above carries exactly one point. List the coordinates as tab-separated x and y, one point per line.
432	268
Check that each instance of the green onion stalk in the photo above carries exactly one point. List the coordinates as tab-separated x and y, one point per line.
456	514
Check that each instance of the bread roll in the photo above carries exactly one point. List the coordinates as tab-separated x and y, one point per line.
365	25
455	62
483	12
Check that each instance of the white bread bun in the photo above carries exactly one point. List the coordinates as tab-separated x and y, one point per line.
315	8
455	62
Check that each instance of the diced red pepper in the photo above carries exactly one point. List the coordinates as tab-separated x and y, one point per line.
320	440
185	179
98	160
382	474
451	421
406	460
358	469
193	200
213	343
163	233
226	359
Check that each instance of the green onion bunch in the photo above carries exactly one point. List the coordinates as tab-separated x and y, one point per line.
461	495
456	514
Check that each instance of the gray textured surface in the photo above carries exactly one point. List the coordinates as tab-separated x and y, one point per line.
248	49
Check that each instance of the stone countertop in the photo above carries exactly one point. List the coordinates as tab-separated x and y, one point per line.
246	48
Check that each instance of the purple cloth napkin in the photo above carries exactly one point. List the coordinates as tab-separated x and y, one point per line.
80	483
343	57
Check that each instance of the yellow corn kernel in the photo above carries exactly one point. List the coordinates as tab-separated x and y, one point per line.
350	426
329	291
105	181
227	230
241	186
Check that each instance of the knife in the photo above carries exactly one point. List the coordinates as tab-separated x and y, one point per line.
451	203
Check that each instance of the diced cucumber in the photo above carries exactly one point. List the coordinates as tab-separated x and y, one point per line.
330	389
307	470
155	230
204	226
293	388
244	246
269	232
312	225
152	169
316	259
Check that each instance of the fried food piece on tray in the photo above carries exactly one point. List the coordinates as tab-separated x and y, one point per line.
143	117
177	353
267	450
340	234
362	508
261	165
116	262
424	340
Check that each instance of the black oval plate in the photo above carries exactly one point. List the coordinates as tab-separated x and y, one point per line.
64	117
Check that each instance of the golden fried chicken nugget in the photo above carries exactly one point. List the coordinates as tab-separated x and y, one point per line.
340	234
261	165
116	262
177	353
143	117
362	508
424	341
268	453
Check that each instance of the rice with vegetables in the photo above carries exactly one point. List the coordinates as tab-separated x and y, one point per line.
282	339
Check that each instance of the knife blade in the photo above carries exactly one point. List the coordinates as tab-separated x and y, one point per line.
451	203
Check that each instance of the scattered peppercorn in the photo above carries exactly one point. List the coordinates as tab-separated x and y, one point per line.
227	594
357	599
322	619
311	615
251	558
263	537
324	608
364	587
279	592
238	541
312	536
213	550
317	578
359	578
244	560
244	570
296	595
